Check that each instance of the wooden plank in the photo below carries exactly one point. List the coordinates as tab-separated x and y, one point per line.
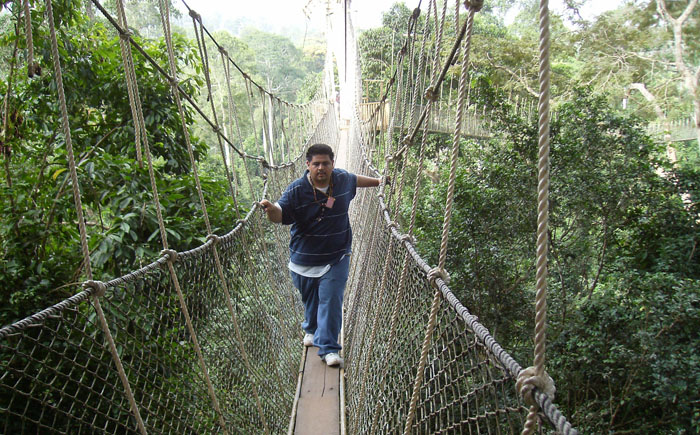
318	408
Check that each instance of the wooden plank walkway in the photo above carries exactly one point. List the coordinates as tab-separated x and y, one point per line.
318	405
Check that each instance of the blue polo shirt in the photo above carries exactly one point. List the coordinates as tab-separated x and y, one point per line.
319	235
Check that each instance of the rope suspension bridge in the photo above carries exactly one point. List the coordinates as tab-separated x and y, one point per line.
208	340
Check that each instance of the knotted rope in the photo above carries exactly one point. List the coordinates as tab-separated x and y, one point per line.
472	9
537	376
131	82
81	222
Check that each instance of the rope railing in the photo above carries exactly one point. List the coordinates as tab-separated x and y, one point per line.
208	339
196	341
433	368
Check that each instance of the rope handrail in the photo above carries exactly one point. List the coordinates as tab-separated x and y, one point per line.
187	349
383	416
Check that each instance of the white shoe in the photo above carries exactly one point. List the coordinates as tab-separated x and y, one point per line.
332	359
308	340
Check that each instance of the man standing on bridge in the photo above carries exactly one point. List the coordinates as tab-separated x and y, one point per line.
316	205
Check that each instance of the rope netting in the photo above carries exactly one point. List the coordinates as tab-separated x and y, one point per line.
208	340
417	360
199	341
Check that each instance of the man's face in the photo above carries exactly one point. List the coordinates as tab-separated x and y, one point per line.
320	168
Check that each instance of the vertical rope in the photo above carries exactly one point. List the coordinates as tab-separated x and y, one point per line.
165	16
81	223
542	206
205	68
473	6
30	42
130	77
171	268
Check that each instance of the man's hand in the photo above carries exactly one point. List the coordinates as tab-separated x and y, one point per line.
273	211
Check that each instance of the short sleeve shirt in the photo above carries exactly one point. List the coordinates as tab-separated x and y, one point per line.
319	235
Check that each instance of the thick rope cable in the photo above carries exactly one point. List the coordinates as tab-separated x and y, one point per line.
233	113
385	270
239	336
204	57
542	221
437	84
131	82
165	14
162	72
473	7
30	42
81	223
173	258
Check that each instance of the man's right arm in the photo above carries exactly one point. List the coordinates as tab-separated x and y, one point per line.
273	211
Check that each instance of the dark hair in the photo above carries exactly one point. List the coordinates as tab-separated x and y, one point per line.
319	149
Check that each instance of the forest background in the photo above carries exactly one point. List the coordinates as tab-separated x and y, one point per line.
624	310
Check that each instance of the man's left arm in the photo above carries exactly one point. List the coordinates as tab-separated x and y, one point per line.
363	181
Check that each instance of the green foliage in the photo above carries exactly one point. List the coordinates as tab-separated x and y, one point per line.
624	274
39	234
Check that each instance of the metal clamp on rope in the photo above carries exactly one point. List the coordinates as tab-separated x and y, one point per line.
430	94
170	253
195	15
214	239
474	5
98	287
528	381
223	51
436	273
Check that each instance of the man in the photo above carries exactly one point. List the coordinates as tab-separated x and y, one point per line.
316	205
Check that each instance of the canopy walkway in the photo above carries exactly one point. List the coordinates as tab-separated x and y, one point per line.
208	340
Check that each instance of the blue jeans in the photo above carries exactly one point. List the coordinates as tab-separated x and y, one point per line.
323	304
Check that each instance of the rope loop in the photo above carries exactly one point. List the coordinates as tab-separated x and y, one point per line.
33	69
474	5
174	82
393	225
416	13
214	239
195	15
223	51
98	287
407	238
528	381
241	221
380	195
170	253
437	272
430	94
125	34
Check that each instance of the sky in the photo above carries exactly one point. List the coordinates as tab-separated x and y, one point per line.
366	13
